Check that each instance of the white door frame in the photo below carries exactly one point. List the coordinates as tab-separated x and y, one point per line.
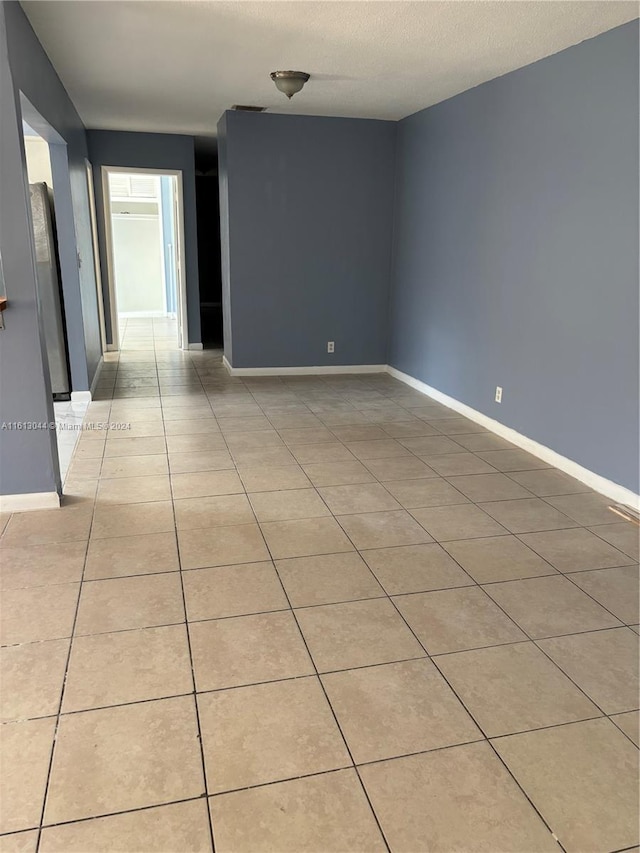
183	335
96	255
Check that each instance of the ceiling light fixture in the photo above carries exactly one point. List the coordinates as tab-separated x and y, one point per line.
289	82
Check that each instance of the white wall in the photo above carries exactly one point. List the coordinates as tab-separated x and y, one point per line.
38	161
137	251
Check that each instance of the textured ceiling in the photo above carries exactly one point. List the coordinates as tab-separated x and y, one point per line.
176	66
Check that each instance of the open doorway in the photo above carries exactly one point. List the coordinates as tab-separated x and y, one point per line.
144	228
50	298
68	413
209	249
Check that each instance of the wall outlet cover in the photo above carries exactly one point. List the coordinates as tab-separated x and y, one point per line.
498	394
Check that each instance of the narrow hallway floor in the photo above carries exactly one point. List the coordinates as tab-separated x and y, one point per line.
312	614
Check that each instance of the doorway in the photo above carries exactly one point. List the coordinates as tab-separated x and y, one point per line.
144	229
209	257
50	298
68	413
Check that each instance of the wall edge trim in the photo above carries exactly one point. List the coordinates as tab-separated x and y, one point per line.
29	501
601	484
87	396
195	346
96	376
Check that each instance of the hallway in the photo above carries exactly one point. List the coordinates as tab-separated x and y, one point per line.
312	613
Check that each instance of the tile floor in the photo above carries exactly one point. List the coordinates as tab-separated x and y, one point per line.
312	614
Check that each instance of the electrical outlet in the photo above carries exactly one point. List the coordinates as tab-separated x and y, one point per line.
498	394
331	347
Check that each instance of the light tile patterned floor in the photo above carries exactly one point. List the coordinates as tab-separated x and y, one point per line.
312	614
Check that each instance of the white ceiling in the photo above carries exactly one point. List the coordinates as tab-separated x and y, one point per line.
176	66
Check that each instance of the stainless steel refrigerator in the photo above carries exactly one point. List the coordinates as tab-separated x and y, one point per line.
50	300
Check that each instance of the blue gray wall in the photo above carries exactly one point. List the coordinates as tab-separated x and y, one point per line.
151	151
309	219
36	78
516	251
28	458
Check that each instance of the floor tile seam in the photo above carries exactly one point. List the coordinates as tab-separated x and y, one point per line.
513	621
633	557
566	574
592	492
315	674
555	573
554	569
450	477
302	676
536	643
328	701
46	792
103	477
104	815
333	712
482	503
509	474
567	723
626	734
196	709
520	536
90	709
467	710
600	715
309	607
495	751
413	633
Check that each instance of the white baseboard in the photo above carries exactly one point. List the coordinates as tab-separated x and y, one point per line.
195	346
612	490
320	370
112	348
31	501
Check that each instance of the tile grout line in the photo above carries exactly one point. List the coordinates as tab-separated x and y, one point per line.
526	634
69	653
328	701
307	775
439	655
59	715
67	663
191	664
322	687
471	716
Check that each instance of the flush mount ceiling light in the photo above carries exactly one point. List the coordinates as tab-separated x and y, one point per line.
289	82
